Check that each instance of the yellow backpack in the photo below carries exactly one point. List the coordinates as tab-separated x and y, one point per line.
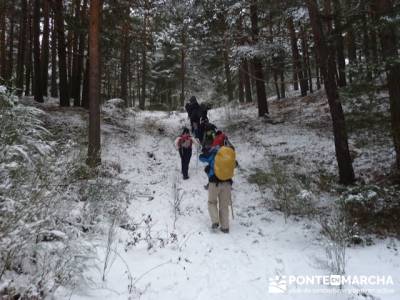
224	163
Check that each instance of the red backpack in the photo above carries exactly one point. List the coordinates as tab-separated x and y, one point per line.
185	141
219	140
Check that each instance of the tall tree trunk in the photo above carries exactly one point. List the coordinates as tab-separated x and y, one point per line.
76	91
62	66
351	43
75	33
3	58
183	67
227	69
94	157
28	53
304	50
45	47
275	75
387	34
143	79
366	42
295	78
339	43
142	101
69	57
241	84
328	69
258	69
283	89
53	85
328	17
317	70
373	38
85	88
296	57
38	92
306	58
125	62
21	48
130	84
247	83
10	60
244	68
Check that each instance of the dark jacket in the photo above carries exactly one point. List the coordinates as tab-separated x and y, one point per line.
193	110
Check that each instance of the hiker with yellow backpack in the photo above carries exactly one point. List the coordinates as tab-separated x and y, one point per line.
221	162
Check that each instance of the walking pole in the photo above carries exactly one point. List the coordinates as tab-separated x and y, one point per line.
233	217
197	156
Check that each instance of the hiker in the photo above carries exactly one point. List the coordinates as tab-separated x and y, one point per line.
183	144
204	107
220	140
221	164
207	132
194	114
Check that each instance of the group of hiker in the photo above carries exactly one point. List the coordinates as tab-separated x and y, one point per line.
217	152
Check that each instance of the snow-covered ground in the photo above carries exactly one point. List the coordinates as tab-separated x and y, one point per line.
168	251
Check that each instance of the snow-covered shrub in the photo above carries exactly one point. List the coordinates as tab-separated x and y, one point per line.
232	113
178	197
38	248
291	195
373	208
103	198
142	233
23	139
49	201
338	234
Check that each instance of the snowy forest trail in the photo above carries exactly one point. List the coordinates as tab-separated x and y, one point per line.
168	251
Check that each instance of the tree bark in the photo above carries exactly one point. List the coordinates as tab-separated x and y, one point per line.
256	61
366	42
306	57
53	84
227	69
3	58
142	101
339	43
328	69
317	70
125	51
94	156
10	60
69	37
241	83
45	47
28	53
351	43
183	68
77	78
62	66
21	48
387	34
296	57
283	89
38	92
85	88
75	34
247	83
275	75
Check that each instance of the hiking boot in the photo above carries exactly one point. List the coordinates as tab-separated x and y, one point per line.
185	177
214	226
206	187
225	230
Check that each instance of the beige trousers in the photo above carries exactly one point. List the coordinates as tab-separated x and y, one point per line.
219	199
